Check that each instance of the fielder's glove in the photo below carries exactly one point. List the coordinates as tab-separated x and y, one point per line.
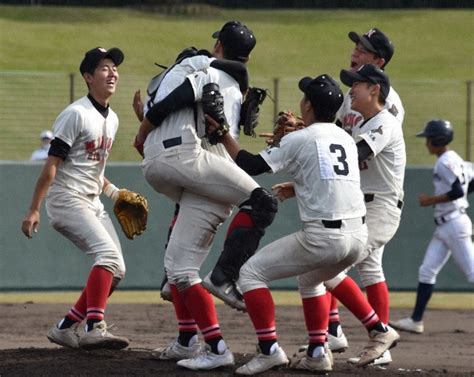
286	122
213	105
131	210
250	110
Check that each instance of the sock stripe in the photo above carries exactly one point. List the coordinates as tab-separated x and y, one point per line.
317	336
266	334
371	319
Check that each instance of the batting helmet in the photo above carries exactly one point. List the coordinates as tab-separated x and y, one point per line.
439	131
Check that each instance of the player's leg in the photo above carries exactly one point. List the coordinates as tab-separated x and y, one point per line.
459	239
436	256
189	245
92	231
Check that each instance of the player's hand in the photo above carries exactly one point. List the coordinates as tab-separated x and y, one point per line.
425	200
138	145
284	190
30	224
138	105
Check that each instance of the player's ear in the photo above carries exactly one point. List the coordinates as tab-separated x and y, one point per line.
87	77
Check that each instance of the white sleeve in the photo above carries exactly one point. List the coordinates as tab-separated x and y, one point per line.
67	126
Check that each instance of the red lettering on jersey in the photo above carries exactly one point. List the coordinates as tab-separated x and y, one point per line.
350	120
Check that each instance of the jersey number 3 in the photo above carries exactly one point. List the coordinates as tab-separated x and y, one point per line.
342	168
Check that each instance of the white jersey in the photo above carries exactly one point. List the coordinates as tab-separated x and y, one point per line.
350	118
184	123
322	160
447	169
383	172
90	137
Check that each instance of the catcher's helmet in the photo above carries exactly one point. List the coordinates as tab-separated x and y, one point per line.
439	131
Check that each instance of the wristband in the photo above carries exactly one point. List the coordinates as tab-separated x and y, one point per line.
111	191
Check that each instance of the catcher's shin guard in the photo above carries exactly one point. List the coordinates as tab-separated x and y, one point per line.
242	242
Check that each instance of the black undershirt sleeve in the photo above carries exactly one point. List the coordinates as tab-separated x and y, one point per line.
252	164
364	150
456	190
179	98
59	148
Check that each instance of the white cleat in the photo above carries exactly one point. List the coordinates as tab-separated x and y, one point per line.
408	324
379	343
339	343
176	351
385	359
207	360
99	337
299	355
227	292
320	364
260	362
65	337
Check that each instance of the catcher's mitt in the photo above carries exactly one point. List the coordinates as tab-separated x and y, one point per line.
250	110
213	105
131	210
286	122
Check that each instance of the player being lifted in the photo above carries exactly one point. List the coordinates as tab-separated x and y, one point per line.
453	179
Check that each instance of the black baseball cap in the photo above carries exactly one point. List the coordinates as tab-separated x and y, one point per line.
323	92
93	57
367	73
375	41
238	40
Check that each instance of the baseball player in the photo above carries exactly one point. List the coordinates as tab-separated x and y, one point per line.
382	160
322	160
373	47
206	185
42	153
71	181
453	179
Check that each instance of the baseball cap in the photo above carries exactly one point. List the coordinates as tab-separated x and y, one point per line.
93	57
367	73
46	134
375	41
237	39
324	92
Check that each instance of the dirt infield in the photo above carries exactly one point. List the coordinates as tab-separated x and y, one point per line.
446	348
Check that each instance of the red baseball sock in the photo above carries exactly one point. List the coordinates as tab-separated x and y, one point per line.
200	306
187	326
377	294
350	295
261	310
78	312
97	291
241	220
316	316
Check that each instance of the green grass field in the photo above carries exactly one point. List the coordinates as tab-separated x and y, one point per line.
461	301
433	60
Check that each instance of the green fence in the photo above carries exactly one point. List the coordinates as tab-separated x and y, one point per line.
49	261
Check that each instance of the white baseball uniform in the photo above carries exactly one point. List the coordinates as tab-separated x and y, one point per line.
350	118
179	165
322	160
382	176
454	228
72	203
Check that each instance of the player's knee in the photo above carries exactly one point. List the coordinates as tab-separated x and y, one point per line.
426	275
264	207
183	280
335	281
311	291
249	279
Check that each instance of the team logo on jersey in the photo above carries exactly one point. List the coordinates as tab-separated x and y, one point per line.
95	149
393	110
377	130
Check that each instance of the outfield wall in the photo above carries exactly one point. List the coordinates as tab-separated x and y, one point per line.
49	261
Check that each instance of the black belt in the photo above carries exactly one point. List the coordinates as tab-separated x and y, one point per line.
173	142
370	198
336	224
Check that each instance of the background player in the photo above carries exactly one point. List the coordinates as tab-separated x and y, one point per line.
42	153
72	180
322	160
206	185
453	179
